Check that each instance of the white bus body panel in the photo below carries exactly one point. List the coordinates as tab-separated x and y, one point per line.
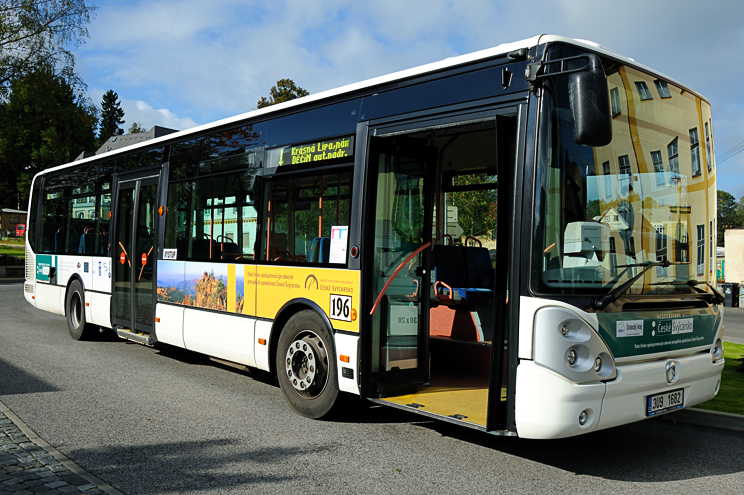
625	400
347	345
50	298
263	331
169	329
548	406
99	310
29	292
219	335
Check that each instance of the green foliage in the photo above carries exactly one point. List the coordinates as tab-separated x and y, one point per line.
730	214
136	128
111	116
43	124
36	33
284	90
476	210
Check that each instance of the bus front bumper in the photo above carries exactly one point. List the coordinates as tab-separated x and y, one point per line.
549	406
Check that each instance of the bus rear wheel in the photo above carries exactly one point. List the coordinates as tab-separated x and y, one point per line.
306	366
75	309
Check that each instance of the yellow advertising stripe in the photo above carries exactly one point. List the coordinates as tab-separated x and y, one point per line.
276	285
231	293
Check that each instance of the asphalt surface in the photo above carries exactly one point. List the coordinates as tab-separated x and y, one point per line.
733	325
150	421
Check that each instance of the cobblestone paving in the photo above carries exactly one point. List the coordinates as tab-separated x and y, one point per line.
26	468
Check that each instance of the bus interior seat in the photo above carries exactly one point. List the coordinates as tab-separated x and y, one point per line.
320	250
87	242
462	275
229	250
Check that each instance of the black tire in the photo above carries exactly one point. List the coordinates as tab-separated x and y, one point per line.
306	366
75	311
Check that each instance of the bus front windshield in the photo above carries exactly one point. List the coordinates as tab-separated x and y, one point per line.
605	213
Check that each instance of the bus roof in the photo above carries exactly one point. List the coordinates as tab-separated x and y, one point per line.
447	63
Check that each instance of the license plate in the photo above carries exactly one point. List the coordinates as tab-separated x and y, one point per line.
664	402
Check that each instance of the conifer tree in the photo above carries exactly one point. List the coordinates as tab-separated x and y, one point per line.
111	117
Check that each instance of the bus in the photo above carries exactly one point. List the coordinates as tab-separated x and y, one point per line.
518	240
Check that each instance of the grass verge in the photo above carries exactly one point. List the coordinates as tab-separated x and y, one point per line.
13	251
730	398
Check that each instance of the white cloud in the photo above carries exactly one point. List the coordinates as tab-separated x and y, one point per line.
139	111
211	60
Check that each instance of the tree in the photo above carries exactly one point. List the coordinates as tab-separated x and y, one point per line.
285	90
36	33
43	124
729	215
136	128
111	117
476	210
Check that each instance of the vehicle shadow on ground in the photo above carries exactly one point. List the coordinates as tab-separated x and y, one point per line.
648	451
14	380
194	466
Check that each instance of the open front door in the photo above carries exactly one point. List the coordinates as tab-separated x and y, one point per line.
135	257
437	339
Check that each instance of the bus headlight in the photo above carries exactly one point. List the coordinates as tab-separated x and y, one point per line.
567	344
717	351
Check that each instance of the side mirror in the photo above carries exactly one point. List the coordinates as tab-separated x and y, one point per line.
590	104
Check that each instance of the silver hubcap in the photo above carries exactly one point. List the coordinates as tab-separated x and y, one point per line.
306	364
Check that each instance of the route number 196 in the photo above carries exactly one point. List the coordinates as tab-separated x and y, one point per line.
340	307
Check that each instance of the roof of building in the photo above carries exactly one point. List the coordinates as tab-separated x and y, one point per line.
8	210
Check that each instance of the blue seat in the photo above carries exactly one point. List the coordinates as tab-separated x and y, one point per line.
320	250
462	275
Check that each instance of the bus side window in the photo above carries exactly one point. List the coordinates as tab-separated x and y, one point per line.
300	214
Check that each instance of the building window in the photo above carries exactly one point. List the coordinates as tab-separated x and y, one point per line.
661	249
643	90
695	152
673	153
662	88
613	257
711	246
708	154
701	249
615	101
658	167
607	179
624	162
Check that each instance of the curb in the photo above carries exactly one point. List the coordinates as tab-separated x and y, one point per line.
58	456
702	417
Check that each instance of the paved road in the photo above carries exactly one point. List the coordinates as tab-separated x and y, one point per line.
733	325
151	421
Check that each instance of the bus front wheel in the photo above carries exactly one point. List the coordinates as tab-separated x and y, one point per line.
306	366
75	309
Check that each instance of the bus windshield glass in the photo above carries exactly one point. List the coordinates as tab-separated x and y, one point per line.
648	197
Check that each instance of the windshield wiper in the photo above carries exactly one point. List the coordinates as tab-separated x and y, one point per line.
717	295
603	301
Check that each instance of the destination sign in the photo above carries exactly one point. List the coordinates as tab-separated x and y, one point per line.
318	151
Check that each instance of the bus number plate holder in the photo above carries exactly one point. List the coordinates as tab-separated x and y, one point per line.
665	402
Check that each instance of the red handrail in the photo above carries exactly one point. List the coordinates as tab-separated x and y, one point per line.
395	273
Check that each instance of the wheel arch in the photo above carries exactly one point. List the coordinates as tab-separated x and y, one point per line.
286	312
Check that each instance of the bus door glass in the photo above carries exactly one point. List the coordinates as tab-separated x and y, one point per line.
134	253
402	221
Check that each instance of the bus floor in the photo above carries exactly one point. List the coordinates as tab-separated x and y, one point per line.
450	393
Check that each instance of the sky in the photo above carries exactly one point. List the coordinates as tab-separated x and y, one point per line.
182	63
